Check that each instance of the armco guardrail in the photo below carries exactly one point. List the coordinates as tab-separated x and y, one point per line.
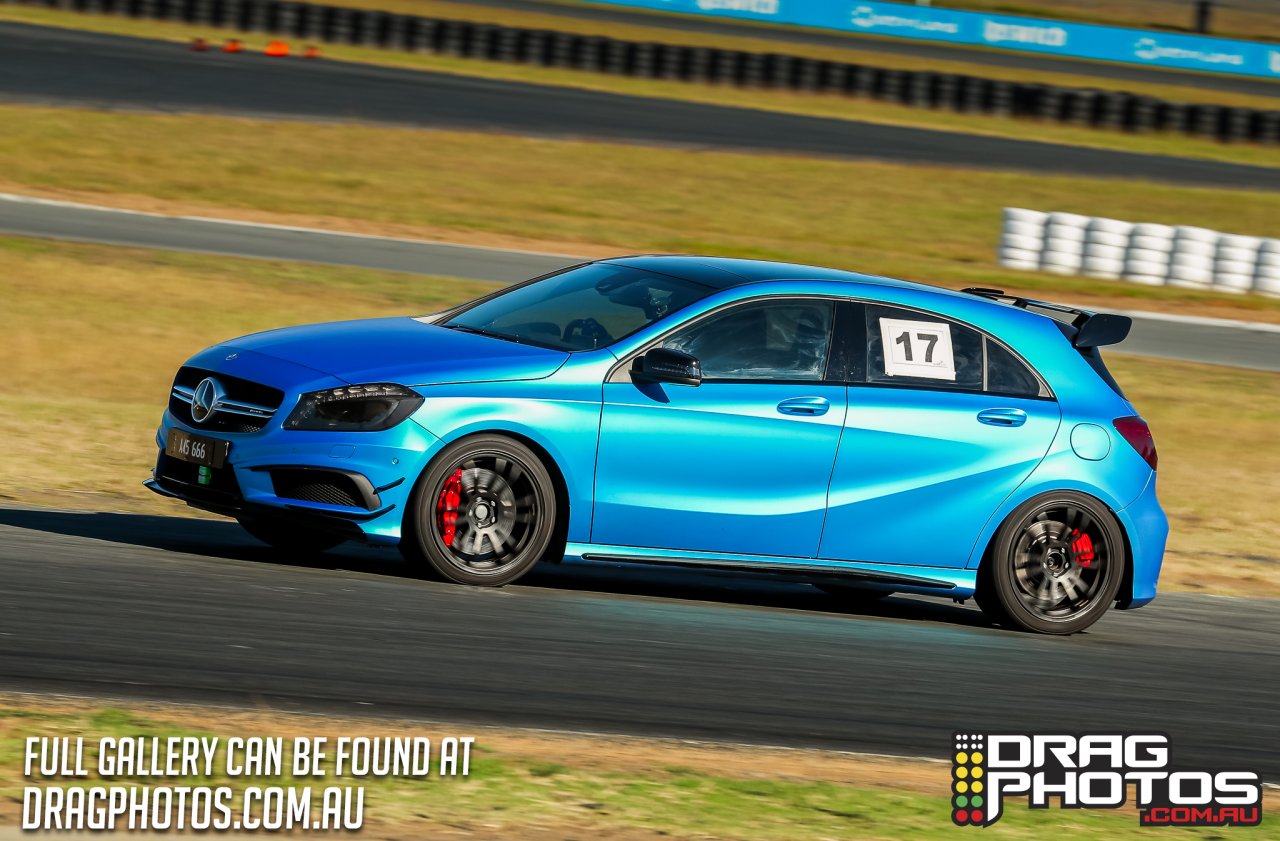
1143	47
920	88
1141	252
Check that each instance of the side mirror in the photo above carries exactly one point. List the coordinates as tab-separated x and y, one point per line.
666	365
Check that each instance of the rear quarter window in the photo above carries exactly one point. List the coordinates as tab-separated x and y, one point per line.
1007	374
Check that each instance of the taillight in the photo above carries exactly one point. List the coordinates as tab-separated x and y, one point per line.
1135	430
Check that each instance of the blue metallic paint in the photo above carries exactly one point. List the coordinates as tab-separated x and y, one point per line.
911	483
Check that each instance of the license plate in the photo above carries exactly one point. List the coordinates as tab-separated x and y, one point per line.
209	452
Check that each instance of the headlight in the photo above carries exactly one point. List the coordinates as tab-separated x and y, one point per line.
354	408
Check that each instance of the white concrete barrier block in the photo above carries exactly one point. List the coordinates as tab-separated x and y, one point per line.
1235	267
1023	243
1196	234
1060	259
1021	253
1149	242
1103	267
1073	220
1197	262
1101	224
1232	282
1196	247
1024	229
1021	214
1269	286
1228	254
1093	237
1108	252
1143	252
1151	229
1063	246
1149	256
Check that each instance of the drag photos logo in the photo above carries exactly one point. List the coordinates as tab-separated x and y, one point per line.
1095	771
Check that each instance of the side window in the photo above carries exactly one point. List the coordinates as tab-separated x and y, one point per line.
911	348
905	347
787	339
1007	374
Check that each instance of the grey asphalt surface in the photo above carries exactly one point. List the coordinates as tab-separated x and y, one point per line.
903	46
65	67
1222	345
178	609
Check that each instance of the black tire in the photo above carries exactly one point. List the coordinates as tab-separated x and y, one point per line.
854	594
291	538
1055	566
504	513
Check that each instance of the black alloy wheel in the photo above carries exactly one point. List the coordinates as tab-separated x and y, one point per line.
1055	567
484	512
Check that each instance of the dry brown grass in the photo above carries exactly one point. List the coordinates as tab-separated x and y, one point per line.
93	335
923	223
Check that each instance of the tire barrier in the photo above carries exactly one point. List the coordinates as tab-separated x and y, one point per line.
1114	110
1143	252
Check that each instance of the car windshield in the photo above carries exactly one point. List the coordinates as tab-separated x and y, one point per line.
584	308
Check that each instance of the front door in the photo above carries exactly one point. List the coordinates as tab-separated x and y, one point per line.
738	464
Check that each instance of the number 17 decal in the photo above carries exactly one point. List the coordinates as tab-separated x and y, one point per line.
917	349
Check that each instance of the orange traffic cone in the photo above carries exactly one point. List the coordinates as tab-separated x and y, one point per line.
199	45
312	51
233	45
277	48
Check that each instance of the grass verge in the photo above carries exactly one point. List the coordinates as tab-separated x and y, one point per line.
541	786
923	223
108	326
822	105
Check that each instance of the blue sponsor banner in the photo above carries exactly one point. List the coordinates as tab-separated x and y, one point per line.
1038	35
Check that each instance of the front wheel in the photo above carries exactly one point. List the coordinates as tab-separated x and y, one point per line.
484	512
1055	566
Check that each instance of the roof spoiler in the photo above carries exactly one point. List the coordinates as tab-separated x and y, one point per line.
1093	329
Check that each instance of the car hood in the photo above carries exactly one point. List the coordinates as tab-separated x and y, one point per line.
402	350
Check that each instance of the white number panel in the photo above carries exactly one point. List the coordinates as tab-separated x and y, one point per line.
917	349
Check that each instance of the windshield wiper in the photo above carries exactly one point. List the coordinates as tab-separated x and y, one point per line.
480	331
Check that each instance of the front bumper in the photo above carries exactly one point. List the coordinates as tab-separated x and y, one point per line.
372	472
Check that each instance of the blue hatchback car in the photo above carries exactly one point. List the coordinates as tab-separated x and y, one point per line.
863	434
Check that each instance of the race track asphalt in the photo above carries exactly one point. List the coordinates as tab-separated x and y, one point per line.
1218	343
65	67
179	609
784	35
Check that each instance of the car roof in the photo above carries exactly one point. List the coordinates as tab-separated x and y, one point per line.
728	272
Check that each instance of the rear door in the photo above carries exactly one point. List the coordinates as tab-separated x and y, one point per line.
944	422
740	463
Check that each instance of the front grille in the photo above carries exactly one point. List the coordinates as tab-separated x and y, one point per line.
245	406
183	477
323	486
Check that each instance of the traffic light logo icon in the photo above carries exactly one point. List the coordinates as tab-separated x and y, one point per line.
968	780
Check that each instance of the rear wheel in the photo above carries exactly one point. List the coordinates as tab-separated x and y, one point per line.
484	512
290	537
1055	566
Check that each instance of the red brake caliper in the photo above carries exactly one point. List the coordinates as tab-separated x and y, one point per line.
1082	548
447	507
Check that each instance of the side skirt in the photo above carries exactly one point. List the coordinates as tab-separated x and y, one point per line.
954	583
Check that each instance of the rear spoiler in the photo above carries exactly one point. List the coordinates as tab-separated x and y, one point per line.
1093	329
